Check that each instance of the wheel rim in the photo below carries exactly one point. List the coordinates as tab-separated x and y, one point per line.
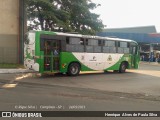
74	69
123	67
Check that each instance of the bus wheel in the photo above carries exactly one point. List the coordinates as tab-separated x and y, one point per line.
122	68
115	71
73	69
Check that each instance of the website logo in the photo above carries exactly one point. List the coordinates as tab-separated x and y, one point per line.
6	114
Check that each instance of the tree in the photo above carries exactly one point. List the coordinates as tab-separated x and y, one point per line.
82	20
64	15
43	13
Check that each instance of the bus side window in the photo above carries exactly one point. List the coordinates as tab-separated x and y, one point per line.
93	46
105	48
74	44
100	43
67	40
109	46
123	47
89	45
81	41
97	46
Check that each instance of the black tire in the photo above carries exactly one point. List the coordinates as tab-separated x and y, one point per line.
122	68
115	71
73	69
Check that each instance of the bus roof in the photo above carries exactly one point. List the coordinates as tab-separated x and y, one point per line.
85	36
93	37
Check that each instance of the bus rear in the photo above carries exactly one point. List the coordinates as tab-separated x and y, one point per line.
29	51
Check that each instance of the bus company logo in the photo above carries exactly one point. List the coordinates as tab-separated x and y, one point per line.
109	58
94	57
82	57
6	114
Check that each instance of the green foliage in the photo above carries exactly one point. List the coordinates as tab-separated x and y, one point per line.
64	15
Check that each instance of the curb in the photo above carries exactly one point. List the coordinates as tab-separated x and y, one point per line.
10	71
150	63
16	71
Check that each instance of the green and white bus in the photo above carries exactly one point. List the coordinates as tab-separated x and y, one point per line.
56	52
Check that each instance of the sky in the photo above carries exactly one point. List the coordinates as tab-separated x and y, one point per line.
129	13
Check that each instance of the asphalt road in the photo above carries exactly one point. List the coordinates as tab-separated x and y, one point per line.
136	90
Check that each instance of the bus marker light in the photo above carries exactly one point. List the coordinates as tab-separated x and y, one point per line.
63	65
46	64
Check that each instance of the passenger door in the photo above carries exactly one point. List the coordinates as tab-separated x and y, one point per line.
52	55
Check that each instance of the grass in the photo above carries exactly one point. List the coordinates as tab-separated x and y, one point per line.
8	66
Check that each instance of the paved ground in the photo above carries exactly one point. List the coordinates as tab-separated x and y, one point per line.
39	96
135	90
145	80
15	70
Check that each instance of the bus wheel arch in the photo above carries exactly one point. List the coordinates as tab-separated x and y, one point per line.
123	66
74	69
